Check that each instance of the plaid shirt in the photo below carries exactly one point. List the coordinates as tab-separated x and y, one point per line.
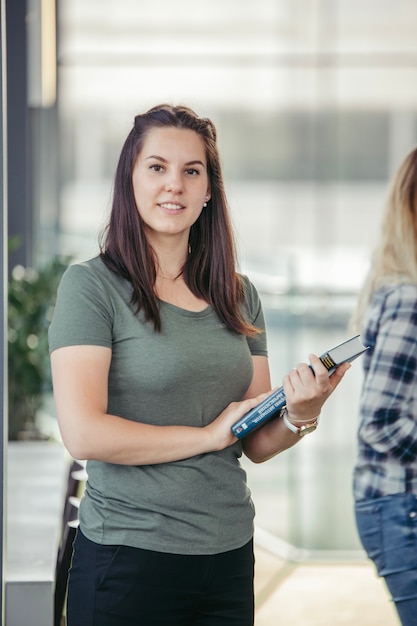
387	434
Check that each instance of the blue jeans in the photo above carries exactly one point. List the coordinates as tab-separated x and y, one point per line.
387	528
122	586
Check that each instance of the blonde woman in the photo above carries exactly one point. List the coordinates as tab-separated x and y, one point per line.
385	475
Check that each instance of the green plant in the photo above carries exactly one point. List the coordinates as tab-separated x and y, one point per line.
31	298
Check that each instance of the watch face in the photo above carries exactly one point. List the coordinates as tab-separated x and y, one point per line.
305	430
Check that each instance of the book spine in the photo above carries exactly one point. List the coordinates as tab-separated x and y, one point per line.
276	400
260	414
271	405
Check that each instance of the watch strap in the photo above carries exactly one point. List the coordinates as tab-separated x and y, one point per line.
302	430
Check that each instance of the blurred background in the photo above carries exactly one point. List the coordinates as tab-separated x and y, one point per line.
315	106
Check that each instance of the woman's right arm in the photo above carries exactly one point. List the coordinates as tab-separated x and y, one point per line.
80	375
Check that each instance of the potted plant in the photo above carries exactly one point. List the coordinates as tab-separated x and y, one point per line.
31	298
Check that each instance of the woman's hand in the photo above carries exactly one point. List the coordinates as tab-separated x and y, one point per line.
307	389
220	430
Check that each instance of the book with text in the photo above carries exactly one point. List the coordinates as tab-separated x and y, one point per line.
272	405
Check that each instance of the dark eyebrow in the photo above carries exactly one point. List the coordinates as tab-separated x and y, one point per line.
196	162
159	158
155	156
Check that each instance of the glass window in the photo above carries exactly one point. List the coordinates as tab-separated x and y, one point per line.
315	105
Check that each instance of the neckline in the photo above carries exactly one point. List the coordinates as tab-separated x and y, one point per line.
188	312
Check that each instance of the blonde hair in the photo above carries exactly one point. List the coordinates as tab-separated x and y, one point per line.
394	260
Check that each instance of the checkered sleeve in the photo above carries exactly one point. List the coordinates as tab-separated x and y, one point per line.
389	399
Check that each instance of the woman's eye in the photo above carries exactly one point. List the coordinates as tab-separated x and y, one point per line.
192	172
156	168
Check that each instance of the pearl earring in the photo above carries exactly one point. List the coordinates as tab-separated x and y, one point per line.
204	205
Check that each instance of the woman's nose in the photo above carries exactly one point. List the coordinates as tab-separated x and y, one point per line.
174	182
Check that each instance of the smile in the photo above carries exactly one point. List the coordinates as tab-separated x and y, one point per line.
171	206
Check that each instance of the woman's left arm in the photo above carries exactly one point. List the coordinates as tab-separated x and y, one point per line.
305	393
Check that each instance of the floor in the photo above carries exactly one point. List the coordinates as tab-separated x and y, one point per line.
319	594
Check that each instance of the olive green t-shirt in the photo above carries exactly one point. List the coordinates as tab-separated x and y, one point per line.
185	375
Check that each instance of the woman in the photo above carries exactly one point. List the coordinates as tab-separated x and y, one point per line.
157	347
385	477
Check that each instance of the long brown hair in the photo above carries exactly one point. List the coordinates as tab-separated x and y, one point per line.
210	269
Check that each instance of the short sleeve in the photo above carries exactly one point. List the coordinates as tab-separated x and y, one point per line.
253	312
83	314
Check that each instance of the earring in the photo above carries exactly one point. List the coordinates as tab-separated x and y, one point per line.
204	205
